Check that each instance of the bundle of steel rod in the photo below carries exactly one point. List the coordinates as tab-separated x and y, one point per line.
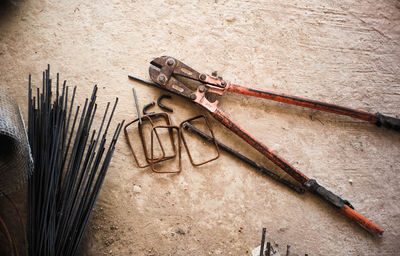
70	164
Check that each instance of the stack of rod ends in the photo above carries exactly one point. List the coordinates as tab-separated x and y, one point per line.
268	250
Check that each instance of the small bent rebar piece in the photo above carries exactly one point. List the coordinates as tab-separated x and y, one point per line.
145	108
162	106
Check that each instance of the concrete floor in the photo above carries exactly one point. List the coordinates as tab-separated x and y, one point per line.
343	52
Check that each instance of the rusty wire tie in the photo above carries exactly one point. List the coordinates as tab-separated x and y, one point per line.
212	135
151	160
170	128
151	119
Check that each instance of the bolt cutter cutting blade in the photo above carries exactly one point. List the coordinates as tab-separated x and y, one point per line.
176	67
165	70
162	70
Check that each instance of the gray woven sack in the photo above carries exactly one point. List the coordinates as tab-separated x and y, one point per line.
16	163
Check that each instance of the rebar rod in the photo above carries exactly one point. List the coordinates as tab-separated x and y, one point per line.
69	166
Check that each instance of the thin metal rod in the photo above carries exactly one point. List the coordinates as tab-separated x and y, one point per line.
137	105
142	81
188	126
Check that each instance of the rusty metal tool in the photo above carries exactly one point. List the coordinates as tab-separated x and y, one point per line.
188	126
165	71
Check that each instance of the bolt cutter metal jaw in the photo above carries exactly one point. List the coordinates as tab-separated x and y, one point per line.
165	70
162	74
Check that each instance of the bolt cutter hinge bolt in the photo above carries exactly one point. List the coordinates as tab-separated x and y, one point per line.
170	62
162	79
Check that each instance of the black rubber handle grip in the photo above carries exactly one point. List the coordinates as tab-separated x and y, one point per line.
388	122
327	195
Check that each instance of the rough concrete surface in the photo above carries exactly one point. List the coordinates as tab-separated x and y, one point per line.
343	52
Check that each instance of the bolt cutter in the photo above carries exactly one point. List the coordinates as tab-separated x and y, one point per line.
165	71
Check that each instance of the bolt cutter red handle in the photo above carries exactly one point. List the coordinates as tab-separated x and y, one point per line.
313	104
165	70
311	184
